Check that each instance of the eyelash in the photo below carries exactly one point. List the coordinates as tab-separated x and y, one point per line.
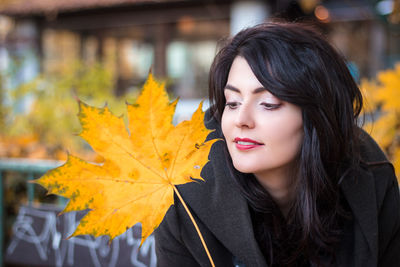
267	106
232	105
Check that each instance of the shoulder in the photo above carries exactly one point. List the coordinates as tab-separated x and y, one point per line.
369	149
387	200
376	163
372	193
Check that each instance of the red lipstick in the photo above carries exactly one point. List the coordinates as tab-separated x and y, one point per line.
246	143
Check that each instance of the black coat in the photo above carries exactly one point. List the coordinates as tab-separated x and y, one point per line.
223	217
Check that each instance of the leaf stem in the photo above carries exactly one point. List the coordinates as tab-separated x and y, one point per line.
195	226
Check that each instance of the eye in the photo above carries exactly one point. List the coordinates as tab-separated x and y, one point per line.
232	105
269	106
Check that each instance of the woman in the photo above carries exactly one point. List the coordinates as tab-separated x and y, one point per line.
295	182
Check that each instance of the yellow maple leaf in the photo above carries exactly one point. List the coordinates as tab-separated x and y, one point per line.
142	164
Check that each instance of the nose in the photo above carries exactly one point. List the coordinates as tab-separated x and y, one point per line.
245	118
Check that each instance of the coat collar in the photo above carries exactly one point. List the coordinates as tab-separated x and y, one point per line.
225	211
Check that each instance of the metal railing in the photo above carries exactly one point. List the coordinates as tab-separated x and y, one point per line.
30	168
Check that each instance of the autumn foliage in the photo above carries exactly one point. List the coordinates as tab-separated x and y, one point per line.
382	99
38	119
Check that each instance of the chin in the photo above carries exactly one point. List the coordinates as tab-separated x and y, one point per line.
244	168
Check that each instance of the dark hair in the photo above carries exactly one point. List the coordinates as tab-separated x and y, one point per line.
296	64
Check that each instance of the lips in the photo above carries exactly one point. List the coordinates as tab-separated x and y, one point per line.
246	143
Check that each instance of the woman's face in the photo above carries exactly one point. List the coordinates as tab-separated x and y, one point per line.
263	133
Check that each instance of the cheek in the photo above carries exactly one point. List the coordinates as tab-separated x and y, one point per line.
287	139
293	143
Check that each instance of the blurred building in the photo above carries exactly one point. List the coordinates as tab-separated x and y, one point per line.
179	38
175	39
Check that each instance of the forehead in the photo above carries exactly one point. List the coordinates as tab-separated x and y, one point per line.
241	75
241	79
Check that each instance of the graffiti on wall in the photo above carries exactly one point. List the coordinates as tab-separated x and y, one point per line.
40	238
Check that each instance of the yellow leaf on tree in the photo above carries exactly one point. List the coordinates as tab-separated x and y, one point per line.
382	98
388	93
142	163
383	130
368	90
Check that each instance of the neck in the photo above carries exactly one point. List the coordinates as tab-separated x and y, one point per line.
281	187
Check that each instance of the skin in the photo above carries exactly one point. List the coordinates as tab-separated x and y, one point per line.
277	127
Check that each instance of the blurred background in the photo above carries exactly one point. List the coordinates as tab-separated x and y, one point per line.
53	52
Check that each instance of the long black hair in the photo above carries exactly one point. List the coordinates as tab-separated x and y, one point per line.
298	65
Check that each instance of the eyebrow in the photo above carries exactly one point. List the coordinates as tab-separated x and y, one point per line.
255	91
